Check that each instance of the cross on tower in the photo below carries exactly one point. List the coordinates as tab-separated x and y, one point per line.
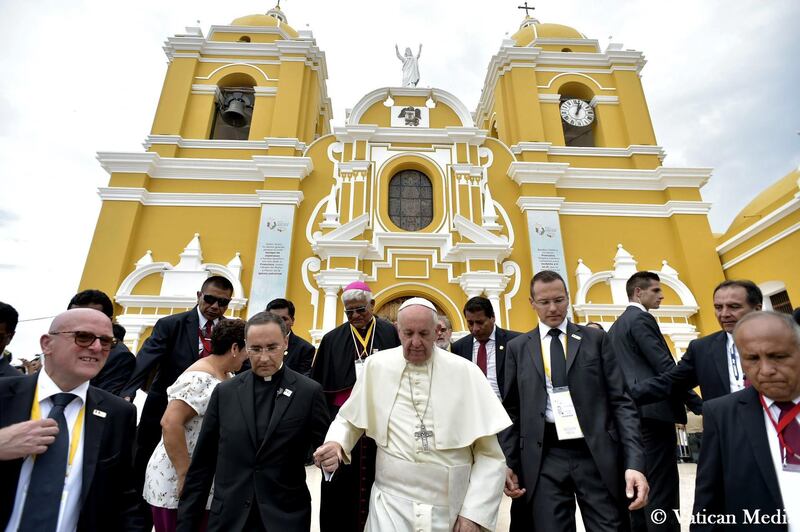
526	8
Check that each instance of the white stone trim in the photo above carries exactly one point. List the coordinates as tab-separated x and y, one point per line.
280	197
199	88
762	246
567	42
533	203
258	168
234	64
550	98
579	74
635	209
564	176
646	210
768	221
177	199
215	144
374	134
265	91
379	95
601	99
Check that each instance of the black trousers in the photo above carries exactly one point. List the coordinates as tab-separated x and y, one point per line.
568	472
661	470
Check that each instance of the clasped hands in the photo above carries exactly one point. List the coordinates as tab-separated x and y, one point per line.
328	456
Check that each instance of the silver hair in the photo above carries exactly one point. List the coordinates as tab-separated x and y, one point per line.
348	296
434	314
786	319
446	320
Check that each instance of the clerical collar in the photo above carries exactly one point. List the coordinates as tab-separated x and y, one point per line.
275	376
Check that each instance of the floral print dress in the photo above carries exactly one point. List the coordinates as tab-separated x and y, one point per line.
161	480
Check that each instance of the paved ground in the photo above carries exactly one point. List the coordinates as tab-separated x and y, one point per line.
687	472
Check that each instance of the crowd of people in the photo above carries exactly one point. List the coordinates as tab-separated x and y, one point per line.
411	431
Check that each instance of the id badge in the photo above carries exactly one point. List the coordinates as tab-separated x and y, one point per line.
359	368
567	425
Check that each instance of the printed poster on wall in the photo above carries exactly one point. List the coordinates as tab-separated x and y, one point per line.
273	251
547	247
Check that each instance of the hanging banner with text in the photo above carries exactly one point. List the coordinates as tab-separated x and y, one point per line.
271	267
547	247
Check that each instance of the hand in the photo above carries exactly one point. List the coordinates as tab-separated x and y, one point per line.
26	438
636	484
465	525
512	488
328	456
181	482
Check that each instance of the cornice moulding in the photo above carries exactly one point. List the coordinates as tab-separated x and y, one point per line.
772	218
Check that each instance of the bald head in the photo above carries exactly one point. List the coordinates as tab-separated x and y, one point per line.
769	347
76	346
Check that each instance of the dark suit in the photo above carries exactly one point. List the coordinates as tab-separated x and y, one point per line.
735	470
6	369
704	364
643	353
171	348
245	472
607	416
108	498
117	370
300	355
463	347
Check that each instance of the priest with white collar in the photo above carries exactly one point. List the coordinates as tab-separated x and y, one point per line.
435	420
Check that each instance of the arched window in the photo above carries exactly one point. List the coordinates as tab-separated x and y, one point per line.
410	200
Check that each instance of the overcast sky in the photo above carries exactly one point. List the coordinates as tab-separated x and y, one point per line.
83	76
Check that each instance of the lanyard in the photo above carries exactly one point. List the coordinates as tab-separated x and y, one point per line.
781	425
77	427
357	339
546	359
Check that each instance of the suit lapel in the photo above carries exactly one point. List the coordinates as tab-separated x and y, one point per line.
93	427
500	357
245	394
534	347
16	404
752	419
282	401
192	330
573	343
719	355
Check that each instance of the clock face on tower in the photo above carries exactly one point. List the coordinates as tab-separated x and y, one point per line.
577	112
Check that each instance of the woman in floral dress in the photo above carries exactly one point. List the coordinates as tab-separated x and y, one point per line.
188	399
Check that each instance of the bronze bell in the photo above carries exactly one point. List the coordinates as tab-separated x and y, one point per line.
234	109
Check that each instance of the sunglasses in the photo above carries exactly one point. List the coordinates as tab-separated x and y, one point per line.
222	301
86	339
359	310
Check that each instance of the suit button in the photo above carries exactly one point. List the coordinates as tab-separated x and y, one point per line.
247	504
539	443
541	414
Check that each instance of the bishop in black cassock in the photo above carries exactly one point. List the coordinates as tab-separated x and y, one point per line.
345	499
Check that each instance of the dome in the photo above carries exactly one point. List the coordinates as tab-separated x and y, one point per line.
766	202
531	29
274	18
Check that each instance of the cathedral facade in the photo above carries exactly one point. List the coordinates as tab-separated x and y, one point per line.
557	168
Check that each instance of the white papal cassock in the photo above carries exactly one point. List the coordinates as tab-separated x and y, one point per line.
463	472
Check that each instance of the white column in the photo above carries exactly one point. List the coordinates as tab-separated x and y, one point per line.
329	310
494	297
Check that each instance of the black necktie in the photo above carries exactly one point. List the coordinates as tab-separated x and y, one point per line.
43	501
558	362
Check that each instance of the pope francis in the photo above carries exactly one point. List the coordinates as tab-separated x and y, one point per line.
435	420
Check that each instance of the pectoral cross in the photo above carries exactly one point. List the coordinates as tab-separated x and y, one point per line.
423	434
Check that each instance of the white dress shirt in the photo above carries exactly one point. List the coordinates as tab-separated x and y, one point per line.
491	359
637	305
735	373
788	481
546	339
70	499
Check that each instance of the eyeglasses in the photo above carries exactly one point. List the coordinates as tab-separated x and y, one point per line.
270	349
86	339
358	310
223	301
